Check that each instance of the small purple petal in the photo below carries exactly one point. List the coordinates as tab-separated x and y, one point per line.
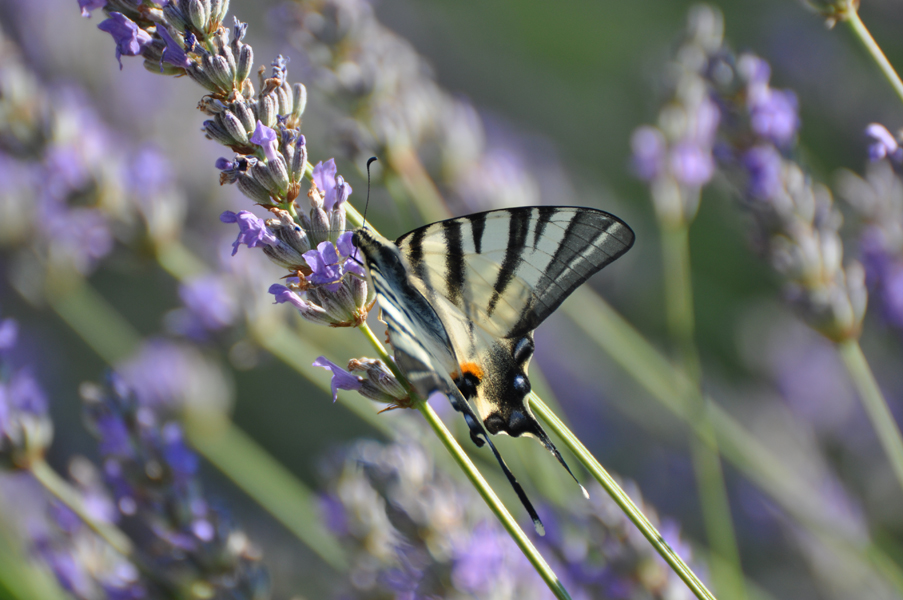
266	138
182	460
88	5
341	379
174	53
9	332
342	192
324	177
224	164
253	231
883	143
130	39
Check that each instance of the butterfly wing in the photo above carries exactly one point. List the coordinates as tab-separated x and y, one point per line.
492	278
424	351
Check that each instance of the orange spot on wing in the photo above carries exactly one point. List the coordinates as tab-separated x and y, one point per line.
472	368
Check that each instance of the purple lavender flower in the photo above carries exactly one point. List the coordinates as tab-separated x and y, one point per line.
174	53
266	138
334	188
252	232
89	5
129	37
883	145
329	265
341	379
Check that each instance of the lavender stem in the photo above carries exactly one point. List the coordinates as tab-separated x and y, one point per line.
862	34
874	403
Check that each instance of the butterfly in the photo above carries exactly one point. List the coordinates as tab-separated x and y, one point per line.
461	299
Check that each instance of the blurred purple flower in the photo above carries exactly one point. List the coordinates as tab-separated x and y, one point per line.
252	230
763	166
341	379
130	39
649	148
9	333
774	115
209	302
691	164
883	145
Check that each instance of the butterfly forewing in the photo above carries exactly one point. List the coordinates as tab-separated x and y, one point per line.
510	269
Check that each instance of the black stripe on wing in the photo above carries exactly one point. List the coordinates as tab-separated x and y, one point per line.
591	240
518	226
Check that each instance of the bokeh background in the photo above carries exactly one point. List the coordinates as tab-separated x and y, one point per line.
560	88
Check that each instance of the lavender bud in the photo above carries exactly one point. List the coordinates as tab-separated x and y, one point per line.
279	173
229	56
201	77
363	294
261	173
283	100
244	114
339	305
248	186
300	96
175	17
219	70
218	10
197	13
236	130
380	383
299	160
336	221
216	132
319	225
245	63
292	242
308	310
266	110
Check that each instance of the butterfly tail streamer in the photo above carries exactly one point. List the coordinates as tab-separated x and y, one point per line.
547	442
479	436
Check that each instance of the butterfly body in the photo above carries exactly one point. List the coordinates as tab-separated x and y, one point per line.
462	297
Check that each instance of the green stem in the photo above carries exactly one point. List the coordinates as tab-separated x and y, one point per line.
862	34
21	578
63	492
712	489
474	475
621	498
874	403
265	480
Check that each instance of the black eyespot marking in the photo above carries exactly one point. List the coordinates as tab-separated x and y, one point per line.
517	423
495	423
523	350
521	384
467	385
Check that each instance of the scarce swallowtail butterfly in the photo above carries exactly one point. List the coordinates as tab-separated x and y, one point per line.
462	297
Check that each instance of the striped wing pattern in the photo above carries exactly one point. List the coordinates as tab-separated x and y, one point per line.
507	270
462	297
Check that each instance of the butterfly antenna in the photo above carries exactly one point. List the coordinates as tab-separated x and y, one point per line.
370	161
